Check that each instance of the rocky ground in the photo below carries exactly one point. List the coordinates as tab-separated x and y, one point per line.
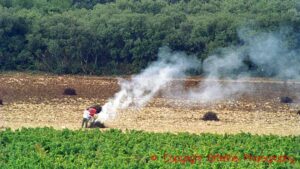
37	101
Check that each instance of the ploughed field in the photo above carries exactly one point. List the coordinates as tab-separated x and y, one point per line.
38	100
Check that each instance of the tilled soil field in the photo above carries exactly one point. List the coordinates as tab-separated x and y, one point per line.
38	100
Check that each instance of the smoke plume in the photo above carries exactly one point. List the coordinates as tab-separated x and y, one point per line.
265	54
141	88
259	54
217	68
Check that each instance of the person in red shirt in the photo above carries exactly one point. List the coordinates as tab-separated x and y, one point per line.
90	114
92	111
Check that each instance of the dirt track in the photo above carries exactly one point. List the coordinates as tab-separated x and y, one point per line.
37	100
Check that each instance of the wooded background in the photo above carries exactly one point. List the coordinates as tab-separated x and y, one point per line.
123	36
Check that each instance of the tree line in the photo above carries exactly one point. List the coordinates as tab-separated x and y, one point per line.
123	36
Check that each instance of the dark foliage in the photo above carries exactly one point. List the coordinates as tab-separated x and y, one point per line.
122	37
1	102
89	4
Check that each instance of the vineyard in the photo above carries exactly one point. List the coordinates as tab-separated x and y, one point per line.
50	148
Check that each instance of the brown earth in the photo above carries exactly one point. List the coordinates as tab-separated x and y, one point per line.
38	100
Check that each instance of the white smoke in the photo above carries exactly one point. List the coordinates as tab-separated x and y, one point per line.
267	51
141	88
215	67
272	54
